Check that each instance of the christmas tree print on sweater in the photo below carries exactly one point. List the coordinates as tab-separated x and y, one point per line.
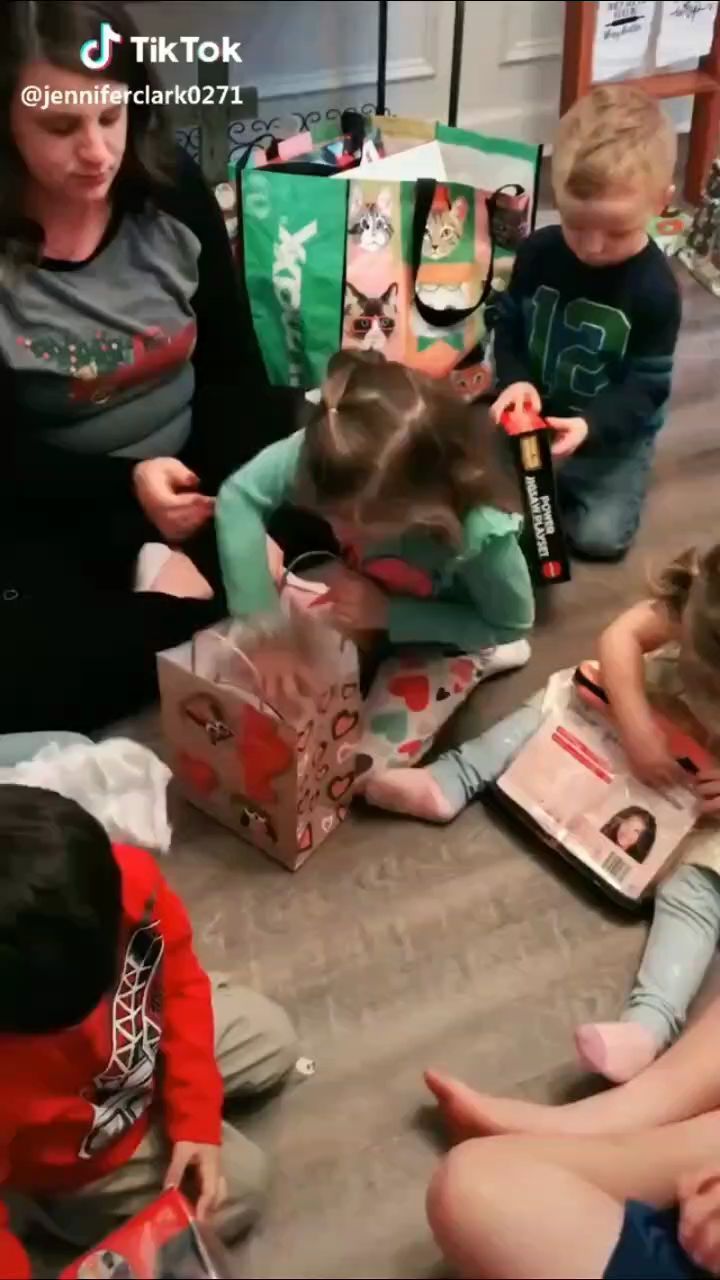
82	359
108	363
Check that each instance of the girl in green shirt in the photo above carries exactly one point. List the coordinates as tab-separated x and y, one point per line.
433	576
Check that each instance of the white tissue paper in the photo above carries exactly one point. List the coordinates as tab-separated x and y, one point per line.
121	783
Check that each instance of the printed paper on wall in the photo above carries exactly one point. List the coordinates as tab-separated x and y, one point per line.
622	33
686	30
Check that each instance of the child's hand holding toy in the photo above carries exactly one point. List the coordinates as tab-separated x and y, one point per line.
570	434
523	397
518	396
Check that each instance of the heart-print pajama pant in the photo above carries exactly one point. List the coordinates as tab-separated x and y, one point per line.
415	691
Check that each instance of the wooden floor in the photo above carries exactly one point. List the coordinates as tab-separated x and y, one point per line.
401	945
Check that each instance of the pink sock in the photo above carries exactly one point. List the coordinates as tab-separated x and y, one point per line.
616	1050
411	791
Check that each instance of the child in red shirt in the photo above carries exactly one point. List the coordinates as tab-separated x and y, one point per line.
99	986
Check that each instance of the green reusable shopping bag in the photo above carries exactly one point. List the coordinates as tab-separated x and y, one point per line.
346	262
294	254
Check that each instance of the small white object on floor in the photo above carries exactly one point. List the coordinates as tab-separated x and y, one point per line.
305	1066
152	559
121	783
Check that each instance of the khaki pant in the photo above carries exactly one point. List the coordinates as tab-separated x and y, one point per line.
255	1048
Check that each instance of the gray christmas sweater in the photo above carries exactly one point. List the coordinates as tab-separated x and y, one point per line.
137	352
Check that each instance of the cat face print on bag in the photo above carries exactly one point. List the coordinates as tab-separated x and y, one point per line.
370	224
254	820
471	381
444	228
370	322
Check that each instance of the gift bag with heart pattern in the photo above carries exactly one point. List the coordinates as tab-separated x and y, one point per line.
280	777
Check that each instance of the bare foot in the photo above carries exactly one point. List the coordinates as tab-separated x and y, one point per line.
469	1114
411	791
616	1050
179	577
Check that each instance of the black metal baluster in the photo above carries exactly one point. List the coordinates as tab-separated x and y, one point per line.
382	56
456	67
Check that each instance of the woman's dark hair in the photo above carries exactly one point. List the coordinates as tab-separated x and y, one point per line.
644	842
386	442
60	912
53	31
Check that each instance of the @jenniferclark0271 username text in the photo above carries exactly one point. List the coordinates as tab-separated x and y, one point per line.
106	95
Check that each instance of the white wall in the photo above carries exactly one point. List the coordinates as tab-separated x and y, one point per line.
314	54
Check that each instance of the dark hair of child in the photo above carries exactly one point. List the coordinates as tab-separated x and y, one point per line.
60	911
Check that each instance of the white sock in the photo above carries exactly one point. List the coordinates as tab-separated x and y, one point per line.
152	559
506	657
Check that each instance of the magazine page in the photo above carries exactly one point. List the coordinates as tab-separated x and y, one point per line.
573	780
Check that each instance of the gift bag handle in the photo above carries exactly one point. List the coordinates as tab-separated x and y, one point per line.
445	317
257	688
304	558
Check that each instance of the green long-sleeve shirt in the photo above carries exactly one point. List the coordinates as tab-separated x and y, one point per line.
471	598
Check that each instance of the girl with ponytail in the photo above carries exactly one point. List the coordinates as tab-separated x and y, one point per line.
433	579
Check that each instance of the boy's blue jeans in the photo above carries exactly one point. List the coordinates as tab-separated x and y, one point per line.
601	495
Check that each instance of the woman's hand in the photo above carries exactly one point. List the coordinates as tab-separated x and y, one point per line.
699	1228
516	396
166	491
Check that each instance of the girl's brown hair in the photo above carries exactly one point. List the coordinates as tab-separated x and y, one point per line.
691	582
387	443
53	31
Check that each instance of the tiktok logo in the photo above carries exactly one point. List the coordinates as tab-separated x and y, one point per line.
96	55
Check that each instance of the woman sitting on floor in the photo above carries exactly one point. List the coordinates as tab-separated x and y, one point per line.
130	380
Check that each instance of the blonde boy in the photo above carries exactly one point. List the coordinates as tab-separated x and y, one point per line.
587	329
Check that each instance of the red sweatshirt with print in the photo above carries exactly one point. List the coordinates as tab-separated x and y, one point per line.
74	1105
